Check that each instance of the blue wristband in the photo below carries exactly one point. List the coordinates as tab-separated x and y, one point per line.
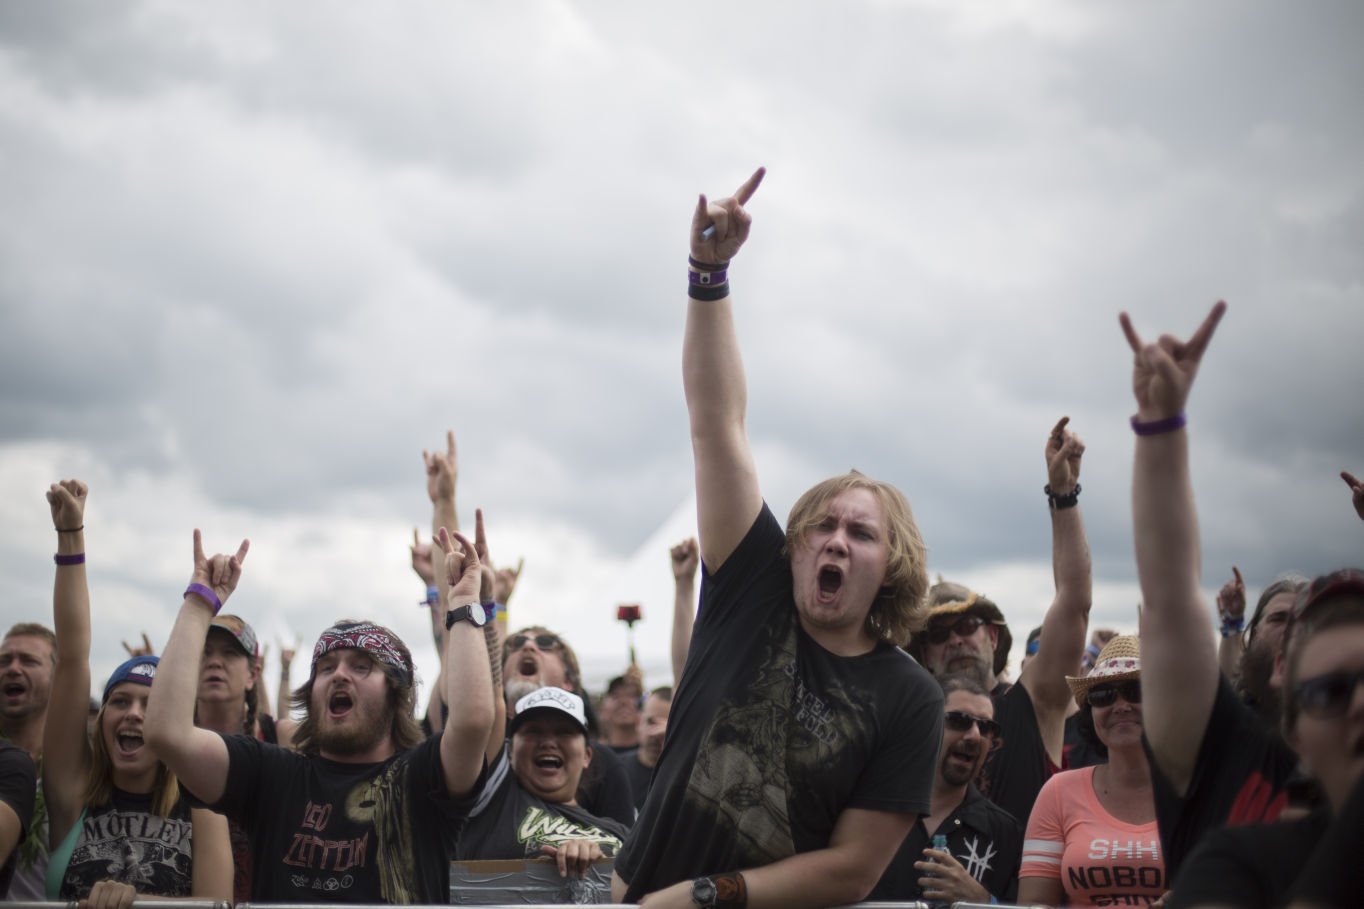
432	597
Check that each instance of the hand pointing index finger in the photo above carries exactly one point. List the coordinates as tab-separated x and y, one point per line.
198	547
1058	431
1133	339
750	186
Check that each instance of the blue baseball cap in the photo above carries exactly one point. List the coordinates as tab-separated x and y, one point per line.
140	669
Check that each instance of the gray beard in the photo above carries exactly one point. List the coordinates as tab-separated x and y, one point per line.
516	689
980	671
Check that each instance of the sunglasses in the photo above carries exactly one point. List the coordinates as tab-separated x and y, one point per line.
543	641
1106	695
958	721
964	627
1328	696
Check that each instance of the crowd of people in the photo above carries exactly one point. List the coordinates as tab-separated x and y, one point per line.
837	728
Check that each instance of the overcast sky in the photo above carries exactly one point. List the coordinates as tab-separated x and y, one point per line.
257	256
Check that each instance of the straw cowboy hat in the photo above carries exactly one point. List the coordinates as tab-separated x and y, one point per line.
1119	661
948	599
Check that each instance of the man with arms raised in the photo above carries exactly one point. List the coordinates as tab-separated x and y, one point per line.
966	633
365	811
803	740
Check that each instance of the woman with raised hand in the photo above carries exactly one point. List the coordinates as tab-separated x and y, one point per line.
119	828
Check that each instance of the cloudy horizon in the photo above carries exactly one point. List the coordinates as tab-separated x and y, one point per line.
260	256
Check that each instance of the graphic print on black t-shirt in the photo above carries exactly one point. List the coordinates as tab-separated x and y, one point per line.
124	841
509	822
331	831
771	737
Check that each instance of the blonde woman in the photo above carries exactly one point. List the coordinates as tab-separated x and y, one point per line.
119	828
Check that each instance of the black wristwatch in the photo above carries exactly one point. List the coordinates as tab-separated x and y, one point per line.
469	612
703	892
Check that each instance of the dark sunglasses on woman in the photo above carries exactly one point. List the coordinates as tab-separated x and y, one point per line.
1106	695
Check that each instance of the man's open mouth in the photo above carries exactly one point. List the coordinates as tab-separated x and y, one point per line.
340	703
528	666
13	689
830	580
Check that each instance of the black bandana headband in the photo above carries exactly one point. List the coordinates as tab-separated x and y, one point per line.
374	640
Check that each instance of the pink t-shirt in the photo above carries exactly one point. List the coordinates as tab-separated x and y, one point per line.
1100	860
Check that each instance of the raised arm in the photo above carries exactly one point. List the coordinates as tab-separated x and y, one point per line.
468	681
727	496
492	635
1179	660
284	698
1231	608
197	756
66	754
684	557
1066	623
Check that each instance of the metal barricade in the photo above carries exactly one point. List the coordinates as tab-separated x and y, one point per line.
158	903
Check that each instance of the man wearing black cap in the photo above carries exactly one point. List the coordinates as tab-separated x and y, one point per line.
365	811
967	633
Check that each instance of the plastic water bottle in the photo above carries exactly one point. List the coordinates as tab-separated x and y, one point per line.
940	844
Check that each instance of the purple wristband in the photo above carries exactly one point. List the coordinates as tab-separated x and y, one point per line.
206	594
707	278
1159	427
76	558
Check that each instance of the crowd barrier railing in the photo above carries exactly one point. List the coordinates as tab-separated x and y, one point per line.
212	904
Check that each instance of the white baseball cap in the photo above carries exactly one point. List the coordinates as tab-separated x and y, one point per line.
549	699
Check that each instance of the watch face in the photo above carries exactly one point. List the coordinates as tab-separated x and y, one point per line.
471	612
703	892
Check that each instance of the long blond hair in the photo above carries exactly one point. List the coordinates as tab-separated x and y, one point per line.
99	776
899	609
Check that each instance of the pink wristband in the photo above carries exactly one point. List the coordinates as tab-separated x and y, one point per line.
206	594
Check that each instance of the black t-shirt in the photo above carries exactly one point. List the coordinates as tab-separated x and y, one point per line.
1239	778
604	789
325	831
1016	771
125	840
1248	867
507	822
982	836
638	775
771	737
18	786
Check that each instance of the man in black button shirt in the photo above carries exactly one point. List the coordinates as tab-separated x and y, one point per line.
984	843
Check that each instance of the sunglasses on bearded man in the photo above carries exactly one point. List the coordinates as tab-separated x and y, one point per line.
964	627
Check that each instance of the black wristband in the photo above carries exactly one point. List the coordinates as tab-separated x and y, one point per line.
706	266
70	529
708	292
1060	502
